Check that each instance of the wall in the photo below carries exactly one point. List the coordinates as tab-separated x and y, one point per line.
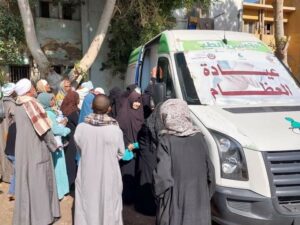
60	40
232	17
90	14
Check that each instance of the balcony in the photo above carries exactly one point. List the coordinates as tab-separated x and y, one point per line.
267	7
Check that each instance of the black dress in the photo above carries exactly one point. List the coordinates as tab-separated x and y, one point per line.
11	140
70	150
147	161
184	181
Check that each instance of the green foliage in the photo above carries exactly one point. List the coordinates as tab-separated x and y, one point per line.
2	78
12	38
10	52
136	22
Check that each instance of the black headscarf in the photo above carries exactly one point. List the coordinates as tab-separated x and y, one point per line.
155	123
130	120
115	98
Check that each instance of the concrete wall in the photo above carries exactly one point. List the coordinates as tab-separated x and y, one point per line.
90	14
232	17
60	40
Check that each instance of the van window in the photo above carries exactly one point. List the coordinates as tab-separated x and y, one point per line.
145	72
164	75
185	80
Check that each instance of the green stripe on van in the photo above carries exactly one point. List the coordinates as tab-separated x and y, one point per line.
204	45
163	44
134	56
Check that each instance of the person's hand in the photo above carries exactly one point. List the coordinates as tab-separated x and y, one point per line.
130	147
154	72
64	121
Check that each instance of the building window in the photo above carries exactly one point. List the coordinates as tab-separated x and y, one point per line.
269	29
19	72
57	69
250	27
45	9
67	11
246	27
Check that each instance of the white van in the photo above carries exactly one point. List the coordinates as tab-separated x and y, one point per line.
247	105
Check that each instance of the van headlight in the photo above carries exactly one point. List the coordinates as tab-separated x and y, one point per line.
232	158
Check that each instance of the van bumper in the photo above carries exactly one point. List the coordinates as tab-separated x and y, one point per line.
232	206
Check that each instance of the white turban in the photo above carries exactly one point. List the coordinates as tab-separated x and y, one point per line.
89	85
8	89
99	90
44	82
23	86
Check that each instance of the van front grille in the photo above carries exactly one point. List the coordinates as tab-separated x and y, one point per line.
285	175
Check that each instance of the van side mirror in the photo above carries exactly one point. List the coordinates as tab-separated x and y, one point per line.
159	94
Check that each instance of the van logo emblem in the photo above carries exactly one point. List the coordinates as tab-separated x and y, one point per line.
295	125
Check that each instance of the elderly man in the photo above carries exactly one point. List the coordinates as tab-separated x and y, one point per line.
36	196
99	183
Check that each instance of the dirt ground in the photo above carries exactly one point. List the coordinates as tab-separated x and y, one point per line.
130	216
7	207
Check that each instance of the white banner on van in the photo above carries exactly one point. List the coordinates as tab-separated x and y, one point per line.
232	76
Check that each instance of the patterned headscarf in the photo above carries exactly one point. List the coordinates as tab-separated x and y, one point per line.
36	114
175	115
100	120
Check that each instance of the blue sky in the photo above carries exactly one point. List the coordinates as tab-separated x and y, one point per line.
250	0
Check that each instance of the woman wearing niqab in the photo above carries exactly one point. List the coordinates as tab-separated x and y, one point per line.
114	98
147	161
130	119
184	177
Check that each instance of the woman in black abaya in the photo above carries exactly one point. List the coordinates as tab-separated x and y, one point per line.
130	118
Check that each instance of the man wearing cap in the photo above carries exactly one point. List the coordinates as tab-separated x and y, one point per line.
6	169
36	195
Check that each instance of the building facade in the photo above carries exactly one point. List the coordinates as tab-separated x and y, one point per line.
65	30
258	18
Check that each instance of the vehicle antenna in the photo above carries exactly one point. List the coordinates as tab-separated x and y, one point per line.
225	40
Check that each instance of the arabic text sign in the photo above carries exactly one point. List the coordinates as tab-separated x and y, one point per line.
241	45
235	76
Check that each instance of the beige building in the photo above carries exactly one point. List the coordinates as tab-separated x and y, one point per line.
258	19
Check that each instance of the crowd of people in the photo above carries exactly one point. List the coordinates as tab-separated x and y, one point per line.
112	149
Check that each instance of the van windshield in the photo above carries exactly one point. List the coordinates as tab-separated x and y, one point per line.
230	77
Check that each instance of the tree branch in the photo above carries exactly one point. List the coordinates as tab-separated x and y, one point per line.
31	39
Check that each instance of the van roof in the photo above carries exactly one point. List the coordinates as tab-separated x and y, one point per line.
188	40
208	35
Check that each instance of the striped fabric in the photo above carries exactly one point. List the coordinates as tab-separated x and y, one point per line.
36	114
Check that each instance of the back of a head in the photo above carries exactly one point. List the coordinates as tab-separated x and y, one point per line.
101	104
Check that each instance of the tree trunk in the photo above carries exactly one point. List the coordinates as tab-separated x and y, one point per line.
31	38
90	56
280	40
